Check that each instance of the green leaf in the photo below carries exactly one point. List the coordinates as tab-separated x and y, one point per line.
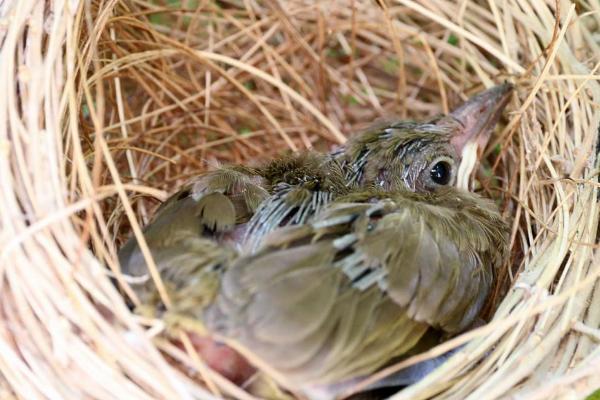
159	19
334	53
453	39
487	171
497	149
391	65
245	131
594	396
351	100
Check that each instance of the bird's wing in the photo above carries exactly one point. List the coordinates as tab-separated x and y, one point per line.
242	191
358	285
191	230
438	260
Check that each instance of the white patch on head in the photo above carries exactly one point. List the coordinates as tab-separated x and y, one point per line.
467	165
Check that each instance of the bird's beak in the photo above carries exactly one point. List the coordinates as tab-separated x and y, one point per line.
479	115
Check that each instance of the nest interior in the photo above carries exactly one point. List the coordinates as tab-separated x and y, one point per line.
110	105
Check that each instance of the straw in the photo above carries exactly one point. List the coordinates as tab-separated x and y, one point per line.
109	106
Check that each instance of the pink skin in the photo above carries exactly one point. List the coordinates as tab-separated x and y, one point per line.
223	359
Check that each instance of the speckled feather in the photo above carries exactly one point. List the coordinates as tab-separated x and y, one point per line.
333	299
214	212
201	228
392	154
300	186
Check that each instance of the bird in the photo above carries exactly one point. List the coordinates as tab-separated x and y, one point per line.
324	267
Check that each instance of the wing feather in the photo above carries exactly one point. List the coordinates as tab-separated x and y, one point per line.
361	283
189	236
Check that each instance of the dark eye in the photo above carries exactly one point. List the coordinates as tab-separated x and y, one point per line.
441	172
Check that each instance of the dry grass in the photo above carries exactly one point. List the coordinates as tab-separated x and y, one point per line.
109	105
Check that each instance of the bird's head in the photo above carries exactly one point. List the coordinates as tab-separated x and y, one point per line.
424	156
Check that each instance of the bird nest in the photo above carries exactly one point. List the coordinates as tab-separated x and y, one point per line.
108	105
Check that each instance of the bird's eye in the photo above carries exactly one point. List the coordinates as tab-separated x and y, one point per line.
441	172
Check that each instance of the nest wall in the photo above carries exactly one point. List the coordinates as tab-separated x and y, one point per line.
109	105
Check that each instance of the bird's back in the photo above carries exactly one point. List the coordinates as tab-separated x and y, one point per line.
360	284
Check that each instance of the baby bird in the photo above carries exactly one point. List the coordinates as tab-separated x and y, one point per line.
380	251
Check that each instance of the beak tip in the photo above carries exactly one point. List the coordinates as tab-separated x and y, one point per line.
503	90
480	113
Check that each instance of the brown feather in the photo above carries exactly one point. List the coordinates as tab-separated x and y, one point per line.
292	303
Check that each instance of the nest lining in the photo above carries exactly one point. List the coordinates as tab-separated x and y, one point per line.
111	105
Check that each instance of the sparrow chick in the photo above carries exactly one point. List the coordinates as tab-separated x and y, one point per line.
323	268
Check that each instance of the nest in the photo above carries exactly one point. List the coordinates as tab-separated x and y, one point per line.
111	105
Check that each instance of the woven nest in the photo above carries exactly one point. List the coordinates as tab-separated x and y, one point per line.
108	106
